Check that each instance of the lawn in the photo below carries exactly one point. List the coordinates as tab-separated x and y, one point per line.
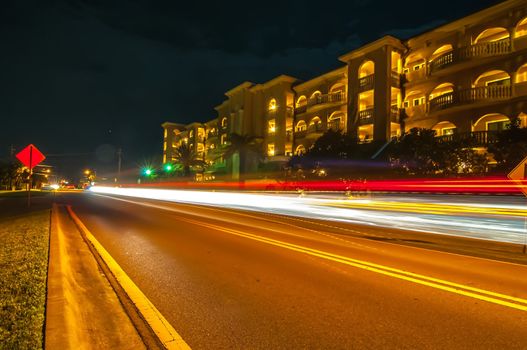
23	270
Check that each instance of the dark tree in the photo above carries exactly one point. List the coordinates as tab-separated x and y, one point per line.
510	147
419	152
186	158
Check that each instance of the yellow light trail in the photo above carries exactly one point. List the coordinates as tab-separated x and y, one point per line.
426	208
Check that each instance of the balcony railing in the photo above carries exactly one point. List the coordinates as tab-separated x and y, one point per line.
488	49
335	125
300	133
395	113
366	117
492	48
366	83
466	96
301	108
498	92
479	138
315	128
327	98
396	78
442	102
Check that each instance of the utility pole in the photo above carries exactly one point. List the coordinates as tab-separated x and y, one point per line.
11	160
119	158
12	152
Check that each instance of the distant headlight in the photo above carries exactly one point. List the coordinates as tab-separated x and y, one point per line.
55	187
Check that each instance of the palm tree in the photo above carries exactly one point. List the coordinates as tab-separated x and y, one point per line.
244	146
185	156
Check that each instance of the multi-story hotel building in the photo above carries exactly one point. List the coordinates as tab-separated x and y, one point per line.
467	77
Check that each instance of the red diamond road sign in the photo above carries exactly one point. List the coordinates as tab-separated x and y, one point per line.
519	175
30	156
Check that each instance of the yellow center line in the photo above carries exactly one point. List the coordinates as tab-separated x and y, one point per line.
481	294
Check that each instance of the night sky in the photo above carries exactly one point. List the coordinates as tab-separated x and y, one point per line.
82	78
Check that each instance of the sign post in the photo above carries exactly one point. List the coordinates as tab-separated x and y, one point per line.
519	176
30	157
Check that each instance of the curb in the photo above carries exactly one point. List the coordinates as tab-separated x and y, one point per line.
167	335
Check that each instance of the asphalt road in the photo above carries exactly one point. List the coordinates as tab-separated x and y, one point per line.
237	279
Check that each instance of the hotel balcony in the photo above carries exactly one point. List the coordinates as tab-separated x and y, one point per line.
467	96
300	134
301	109
479	50
326	98
316	128
480	138
395	114
366	83
366	116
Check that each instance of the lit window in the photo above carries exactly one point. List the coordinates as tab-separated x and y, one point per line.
521	76
406	104
448	131
272	105
418	101
302	101
270	149
300	150
224	122
301	126
271	127
419	66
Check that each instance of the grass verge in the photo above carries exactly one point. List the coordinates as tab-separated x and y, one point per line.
23	271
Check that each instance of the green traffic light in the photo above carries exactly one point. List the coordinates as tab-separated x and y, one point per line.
148	171
168	167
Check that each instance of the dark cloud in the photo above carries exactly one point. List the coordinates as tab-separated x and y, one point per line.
73	70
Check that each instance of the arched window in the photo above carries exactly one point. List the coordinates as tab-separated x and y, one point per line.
338	87
272	106
493	122
414	98
441	51
301	126
300	149
521	74
414	63
315	95
445	128
442	89
301	101
492	34
315	124
336	121
521	28
224	122
493	78
367	68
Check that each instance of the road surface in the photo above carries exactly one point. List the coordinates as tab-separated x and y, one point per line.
227	278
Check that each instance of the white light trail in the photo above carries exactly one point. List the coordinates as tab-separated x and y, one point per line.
489	227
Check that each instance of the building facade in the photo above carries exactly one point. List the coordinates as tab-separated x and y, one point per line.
467	77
